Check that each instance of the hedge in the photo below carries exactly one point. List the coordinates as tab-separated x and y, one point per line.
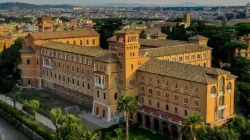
31	124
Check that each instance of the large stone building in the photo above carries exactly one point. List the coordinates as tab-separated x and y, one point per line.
170	79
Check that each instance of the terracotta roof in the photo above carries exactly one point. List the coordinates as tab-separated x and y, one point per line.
164	115
158	34
171	50
28	49
128	31
110	57
155	43
183	71
63	34
89	51
198	37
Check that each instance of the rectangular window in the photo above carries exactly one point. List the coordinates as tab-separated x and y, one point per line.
198	56
196	104
185	101
193	57
158	93
150	91
167	96
176	98
186	58
180	58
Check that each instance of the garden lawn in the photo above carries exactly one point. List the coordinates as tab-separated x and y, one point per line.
141	134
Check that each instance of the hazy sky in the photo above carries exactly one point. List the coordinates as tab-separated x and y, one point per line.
206	2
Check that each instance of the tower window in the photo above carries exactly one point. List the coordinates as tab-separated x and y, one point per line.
28	61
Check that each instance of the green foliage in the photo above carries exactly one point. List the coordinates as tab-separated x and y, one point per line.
143	35
243	29
106	28
241	126
33	125
166	30
193	127
236	45
217	133
69	127
91	135
120	133
31	107
179	19
9	59
127	104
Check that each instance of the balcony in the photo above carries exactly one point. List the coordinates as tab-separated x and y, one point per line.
100	85
222	107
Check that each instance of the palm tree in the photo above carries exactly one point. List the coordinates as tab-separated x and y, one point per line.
193	126
126	104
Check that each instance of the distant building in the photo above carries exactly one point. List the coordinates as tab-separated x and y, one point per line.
247	10
45	24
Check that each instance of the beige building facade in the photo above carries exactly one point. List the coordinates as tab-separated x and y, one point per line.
170	79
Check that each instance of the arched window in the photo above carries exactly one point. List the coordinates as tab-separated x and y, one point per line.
98	95
196	91
186	88
213	90
82	84
78	83
149	102
132	66
176	86
115	96
104	96
88	86
167	107
68	79
175	110
158	82
142	99
59	77
73	81
28	61
158	105
229	86
93	41
167	84
142	78
185	113
222	83
87	42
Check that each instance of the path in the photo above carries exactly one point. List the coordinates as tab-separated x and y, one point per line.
95	120
40	118
8	132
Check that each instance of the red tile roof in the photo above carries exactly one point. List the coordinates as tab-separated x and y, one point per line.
164	115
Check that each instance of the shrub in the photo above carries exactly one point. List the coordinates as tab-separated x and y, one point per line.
31	124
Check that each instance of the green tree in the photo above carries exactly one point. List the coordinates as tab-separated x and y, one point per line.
55	116
236	45
166	30
174	33
193	127
91	135
31	107
119	133
243	29
126	104
70	128
143	35
16	96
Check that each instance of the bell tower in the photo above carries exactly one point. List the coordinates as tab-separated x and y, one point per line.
127	48
187	19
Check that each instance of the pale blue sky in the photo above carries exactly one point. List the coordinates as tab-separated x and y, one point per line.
203	2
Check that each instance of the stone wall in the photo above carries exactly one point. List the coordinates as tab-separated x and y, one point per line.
18	125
